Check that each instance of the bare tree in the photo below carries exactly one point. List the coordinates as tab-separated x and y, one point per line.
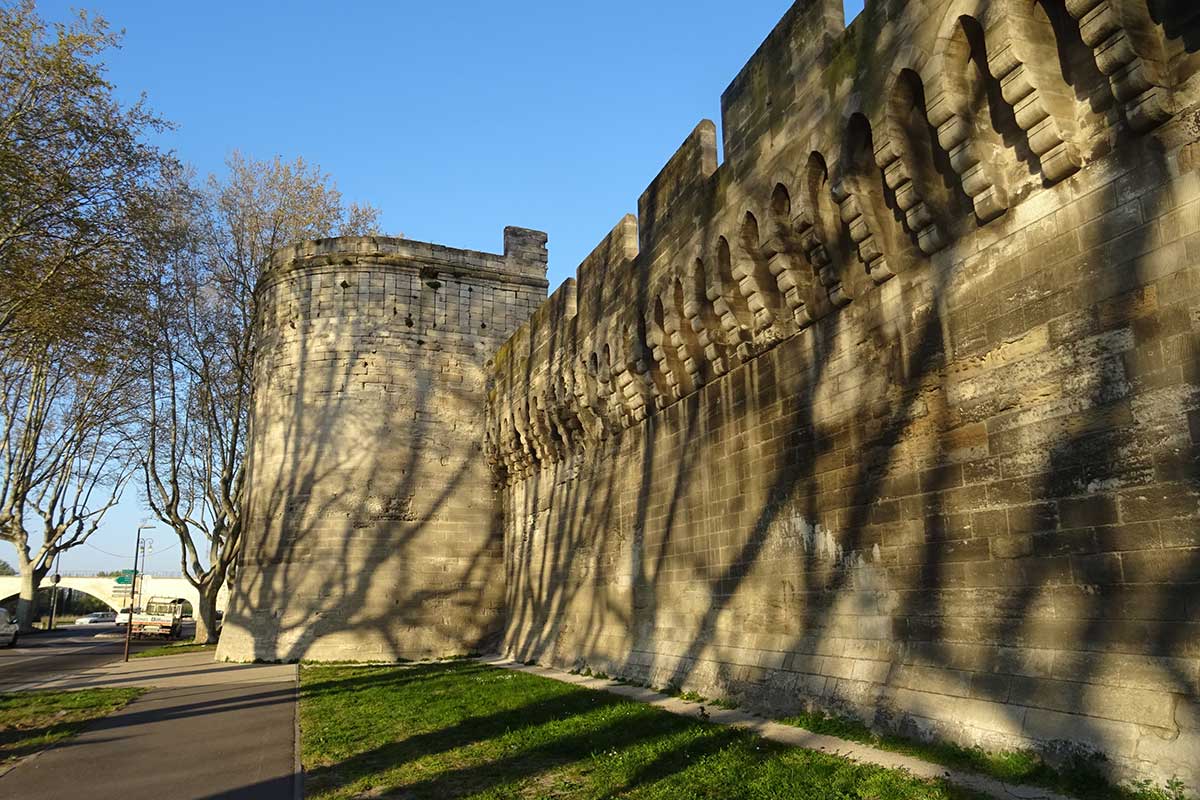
202	351
65	451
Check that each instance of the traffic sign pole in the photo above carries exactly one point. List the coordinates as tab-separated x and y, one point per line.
129	623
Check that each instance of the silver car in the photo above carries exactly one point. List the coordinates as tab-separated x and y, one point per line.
8	629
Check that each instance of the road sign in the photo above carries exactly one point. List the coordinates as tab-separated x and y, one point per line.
126	578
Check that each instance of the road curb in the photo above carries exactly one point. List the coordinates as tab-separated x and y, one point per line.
297	766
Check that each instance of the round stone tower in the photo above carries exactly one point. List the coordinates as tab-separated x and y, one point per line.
371	527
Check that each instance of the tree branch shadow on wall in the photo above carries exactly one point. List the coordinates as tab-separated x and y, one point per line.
320	560
1065	578
1063	570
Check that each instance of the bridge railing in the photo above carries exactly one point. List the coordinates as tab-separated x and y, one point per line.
76	573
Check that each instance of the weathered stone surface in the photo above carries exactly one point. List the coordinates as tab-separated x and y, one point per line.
371	530
896	411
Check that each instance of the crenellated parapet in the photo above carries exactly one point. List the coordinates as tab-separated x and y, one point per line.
853	156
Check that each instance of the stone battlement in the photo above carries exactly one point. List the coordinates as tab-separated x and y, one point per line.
852	155
523	260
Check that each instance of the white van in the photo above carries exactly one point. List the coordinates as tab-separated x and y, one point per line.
8	629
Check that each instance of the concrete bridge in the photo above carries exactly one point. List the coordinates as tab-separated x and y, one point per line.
115	595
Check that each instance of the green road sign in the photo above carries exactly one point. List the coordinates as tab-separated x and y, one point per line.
125	579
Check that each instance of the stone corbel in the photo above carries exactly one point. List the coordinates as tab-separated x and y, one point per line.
980	180
898	175
1129	53
853	205
814	249
629	377
590	419
673	326
607	392
711	341
562	416
731	332
524	455
1022	56
742	268
539	428
658	342
792	282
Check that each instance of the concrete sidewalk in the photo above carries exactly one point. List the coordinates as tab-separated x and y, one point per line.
205	730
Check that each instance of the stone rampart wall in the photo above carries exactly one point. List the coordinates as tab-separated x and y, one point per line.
896	411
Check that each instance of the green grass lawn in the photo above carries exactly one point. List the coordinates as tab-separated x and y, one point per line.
467	730
1083	780
174	649
32	721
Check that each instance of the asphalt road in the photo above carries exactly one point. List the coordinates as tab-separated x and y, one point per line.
231	741
206	731
77	647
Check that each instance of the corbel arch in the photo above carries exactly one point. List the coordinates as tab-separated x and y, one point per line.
966	107
666	370
728	302
1023	57
704	318
915	167
688	346
755	280
1135	50
783	250
859	191
818	223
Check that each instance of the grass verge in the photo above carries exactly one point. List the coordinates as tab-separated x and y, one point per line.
33	721
1083	779
175	649
453	730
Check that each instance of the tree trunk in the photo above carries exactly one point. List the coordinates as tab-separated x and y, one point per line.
31	579
206	614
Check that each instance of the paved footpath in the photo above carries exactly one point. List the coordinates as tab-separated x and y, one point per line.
206	730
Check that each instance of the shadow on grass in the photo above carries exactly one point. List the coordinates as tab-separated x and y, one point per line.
444	731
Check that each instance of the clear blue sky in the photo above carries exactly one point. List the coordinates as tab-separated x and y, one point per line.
454	118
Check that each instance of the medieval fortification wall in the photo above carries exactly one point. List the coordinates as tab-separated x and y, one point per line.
896	411
371	528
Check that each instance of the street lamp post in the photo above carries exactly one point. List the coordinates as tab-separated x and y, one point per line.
133	587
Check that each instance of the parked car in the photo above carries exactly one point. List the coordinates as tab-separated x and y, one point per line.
98	618
8	629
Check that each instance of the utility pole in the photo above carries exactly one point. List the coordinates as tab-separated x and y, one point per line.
133	588
147	549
